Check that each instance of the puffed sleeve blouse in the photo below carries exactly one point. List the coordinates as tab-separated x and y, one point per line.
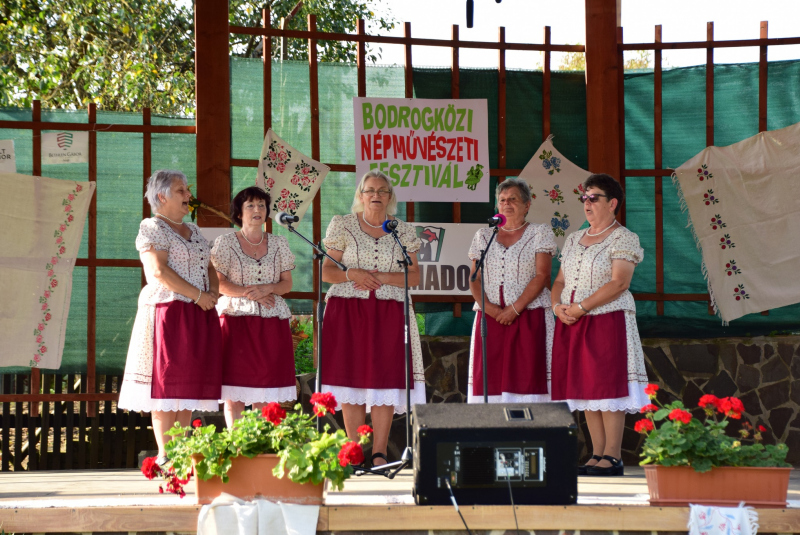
360	250
514	267
586	269
188	258
244	270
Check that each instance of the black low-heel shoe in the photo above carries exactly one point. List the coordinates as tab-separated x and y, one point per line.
616	468
583	468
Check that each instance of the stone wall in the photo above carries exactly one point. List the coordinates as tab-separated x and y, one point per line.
764	372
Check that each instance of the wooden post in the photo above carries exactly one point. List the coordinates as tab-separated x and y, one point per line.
710	84
762	79
602	86
545	87
409	79
313	82
621	216
36	133
91	308
455	92
212	88
659	189
266	57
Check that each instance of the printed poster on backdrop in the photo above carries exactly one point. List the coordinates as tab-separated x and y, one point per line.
65	147
432	150
8	162
444	266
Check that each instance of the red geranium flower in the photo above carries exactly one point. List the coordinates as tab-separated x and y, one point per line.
197	422
273	413
323	403
351	453
364	430
680	415
651	390
150	469
644	426
649	408
762	428
708	400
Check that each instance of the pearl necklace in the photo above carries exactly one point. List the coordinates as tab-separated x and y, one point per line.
605	229
251	243
170	220
513	229
363	218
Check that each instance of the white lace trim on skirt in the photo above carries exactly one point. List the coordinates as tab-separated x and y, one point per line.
370	397
259	395
136	397
507	397
635	400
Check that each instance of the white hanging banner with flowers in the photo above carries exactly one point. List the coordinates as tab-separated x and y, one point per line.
556	183
290	177
42	221
745	216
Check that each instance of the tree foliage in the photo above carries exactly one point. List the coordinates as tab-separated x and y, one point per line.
576	61
128	54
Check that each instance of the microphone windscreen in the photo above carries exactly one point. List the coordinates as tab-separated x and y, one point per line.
502	219
389	225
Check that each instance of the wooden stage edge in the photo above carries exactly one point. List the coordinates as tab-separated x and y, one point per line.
385	518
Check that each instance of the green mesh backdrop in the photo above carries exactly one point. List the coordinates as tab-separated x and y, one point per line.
119	181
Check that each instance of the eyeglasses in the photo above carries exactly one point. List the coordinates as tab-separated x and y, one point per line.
380	192
593	198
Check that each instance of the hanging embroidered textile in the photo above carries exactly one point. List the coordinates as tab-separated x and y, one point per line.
290	177
745	216
42	221
556	183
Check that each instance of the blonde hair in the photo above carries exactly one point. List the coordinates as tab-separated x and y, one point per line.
358	206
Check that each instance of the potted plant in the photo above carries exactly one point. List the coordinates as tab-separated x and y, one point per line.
266	453
688	460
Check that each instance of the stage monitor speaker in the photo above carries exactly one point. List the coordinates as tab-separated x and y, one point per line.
481	449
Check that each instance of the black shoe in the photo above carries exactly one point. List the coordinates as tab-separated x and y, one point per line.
616	468
584	467
378	456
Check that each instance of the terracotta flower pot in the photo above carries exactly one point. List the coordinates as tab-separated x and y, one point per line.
721	486
253	477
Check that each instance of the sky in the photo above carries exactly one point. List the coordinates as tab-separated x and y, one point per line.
524	20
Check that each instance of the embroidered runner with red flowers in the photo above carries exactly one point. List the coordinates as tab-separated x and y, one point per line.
42	221
744	215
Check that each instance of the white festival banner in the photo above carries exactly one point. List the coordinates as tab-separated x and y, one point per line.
65	147
290	177
8	161
556	183
443	262
431	150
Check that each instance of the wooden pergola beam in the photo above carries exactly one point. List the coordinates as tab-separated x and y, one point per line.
212	89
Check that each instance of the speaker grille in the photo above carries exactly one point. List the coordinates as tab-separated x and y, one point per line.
477	466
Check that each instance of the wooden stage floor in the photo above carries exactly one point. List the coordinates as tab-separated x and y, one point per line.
124	501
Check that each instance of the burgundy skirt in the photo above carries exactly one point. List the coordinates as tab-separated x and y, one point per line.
362	343
516	360
257	352
186	352
590	358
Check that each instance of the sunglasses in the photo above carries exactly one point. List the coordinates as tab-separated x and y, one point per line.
593	198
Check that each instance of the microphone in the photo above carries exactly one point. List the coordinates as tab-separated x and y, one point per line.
498	220
282	218
389	225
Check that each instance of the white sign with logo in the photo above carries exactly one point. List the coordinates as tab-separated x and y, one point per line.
431	150
8	162
443	262
65	147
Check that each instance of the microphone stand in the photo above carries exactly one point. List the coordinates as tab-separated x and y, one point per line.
390	470
480	267
319	255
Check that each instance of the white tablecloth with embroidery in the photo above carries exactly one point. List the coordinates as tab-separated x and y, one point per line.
745	214
42	224
556	183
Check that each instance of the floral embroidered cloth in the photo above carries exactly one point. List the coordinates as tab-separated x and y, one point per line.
745	216
710	520
556	183
42	221
290	177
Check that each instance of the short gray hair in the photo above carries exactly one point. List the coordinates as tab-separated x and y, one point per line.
521	185
160	182
358	206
